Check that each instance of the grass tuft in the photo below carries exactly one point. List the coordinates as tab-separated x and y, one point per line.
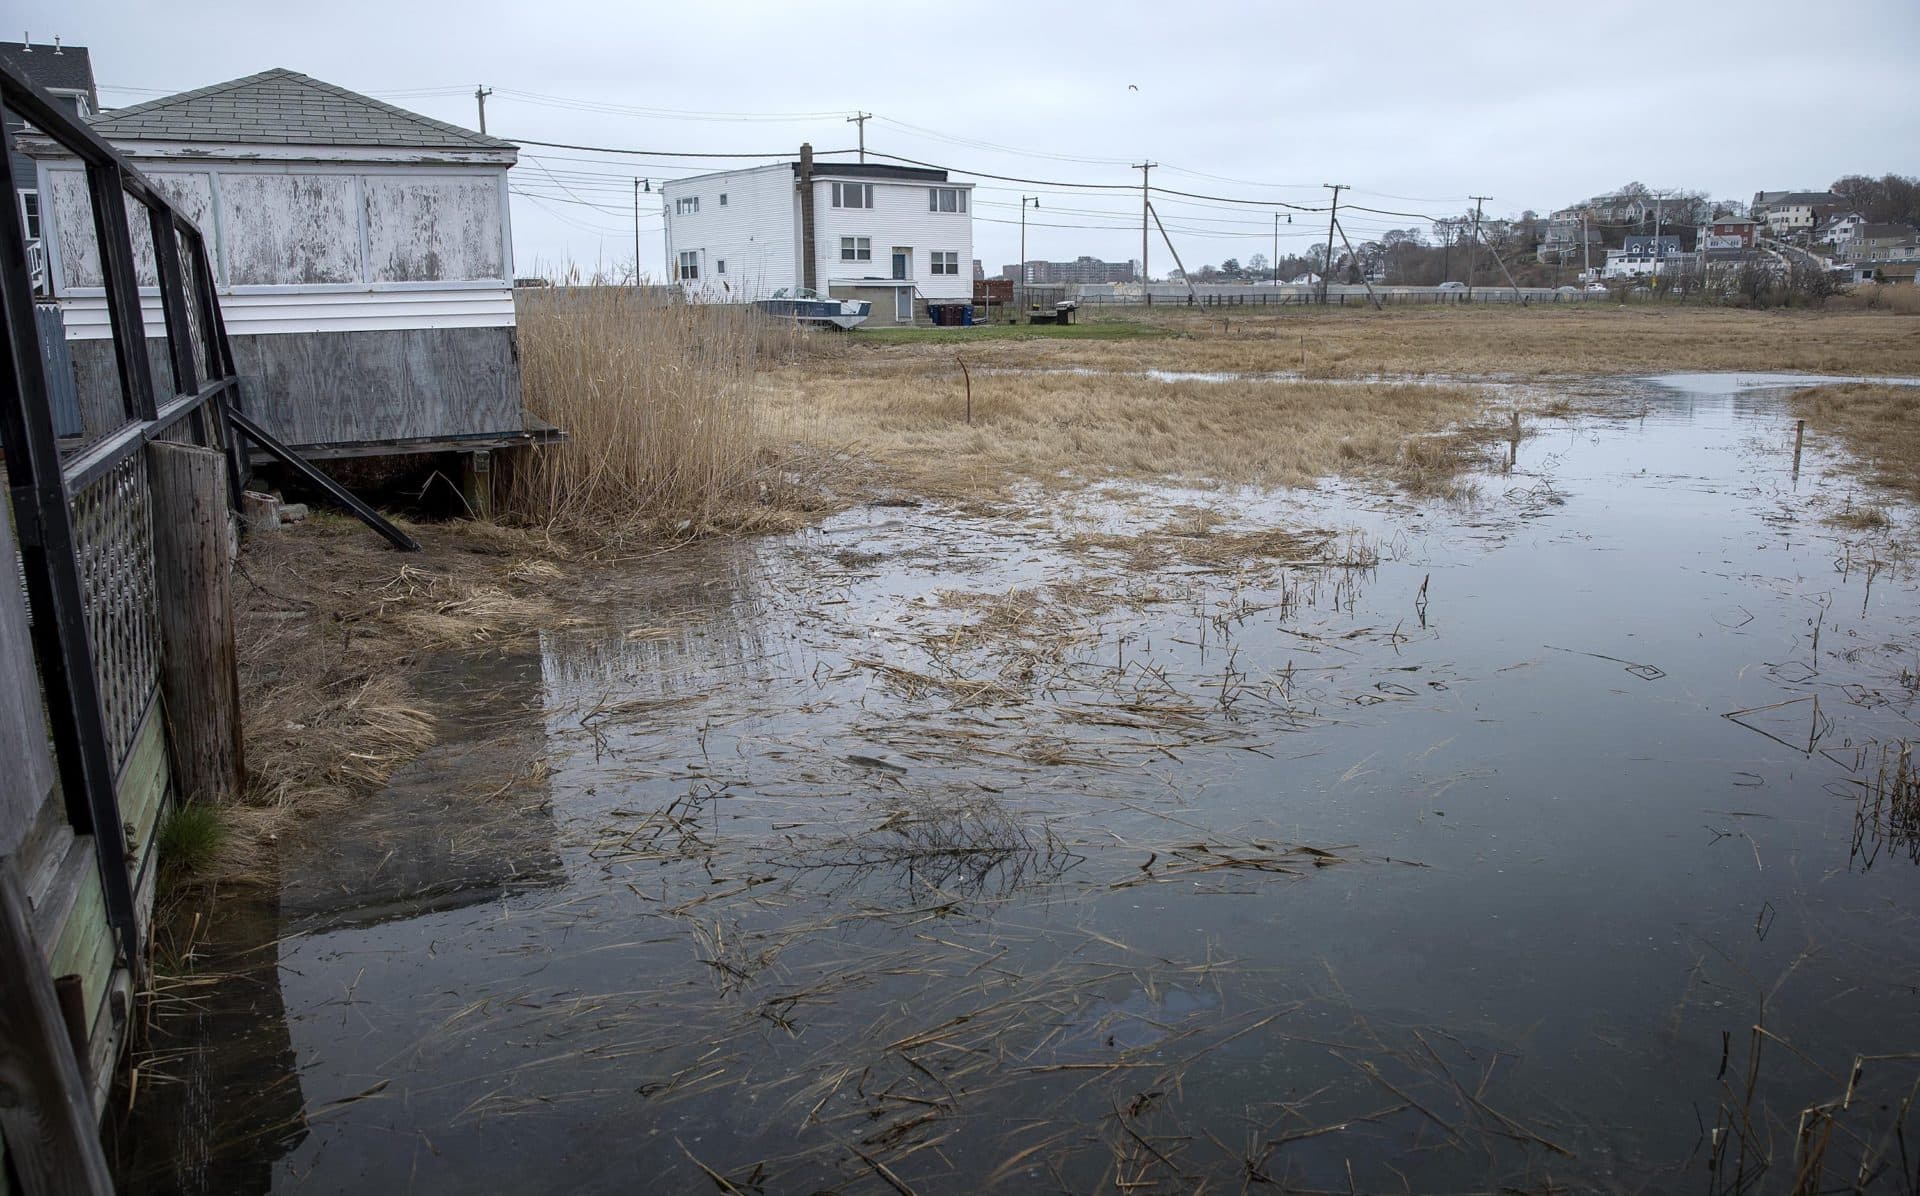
191	838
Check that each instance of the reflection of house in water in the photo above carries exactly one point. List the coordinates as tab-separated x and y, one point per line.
222	1102
466	822
704	616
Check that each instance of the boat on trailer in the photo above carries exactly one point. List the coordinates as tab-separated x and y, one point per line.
804	306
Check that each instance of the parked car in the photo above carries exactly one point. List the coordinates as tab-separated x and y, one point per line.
1596	288
1452	286
1566	290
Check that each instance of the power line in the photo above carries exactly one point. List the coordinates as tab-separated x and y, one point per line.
602	149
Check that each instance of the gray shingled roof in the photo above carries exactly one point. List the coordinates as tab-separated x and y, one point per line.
65	68
283	107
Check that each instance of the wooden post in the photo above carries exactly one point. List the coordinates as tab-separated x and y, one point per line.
476	483
1799	436
193	590
46	1116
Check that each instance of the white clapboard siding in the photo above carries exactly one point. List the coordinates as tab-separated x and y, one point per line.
753	232
899	216
256	314
757	232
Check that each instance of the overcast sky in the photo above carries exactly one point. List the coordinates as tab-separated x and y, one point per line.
1415	105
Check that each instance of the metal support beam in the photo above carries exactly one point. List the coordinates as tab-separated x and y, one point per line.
314	477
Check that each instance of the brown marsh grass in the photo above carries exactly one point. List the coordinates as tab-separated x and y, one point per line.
1591	340
666	434
1069	429
1879	425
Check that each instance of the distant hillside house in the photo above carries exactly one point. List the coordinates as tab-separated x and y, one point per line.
1792	212
1726	237
896	236
1569	234
65	73
1881	243
1623	208
1649	246
361	253
1841	228
1642	255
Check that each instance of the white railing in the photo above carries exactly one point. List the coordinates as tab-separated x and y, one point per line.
37	266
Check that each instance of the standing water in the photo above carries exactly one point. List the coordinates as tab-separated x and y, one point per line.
1540	843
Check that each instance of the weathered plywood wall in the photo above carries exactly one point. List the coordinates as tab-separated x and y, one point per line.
434	230
312	388
281	229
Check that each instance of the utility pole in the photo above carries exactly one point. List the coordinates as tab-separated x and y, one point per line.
1326	271
638	185
1143	168
1658	220
1021	301
1477	201
861	119
1586	251
1275	263
480	95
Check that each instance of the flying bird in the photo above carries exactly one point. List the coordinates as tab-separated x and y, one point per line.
1133	87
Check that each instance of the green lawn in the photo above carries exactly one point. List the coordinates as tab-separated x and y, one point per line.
1104	331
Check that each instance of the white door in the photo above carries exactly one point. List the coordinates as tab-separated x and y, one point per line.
903	305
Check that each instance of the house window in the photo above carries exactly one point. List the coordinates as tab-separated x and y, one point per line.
853	195
687	206
30	213
856	249
946	262
690	265
720	265
946	199
723	199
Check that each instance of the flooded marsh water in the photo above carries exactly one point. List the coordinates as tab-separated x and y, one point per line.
1146	840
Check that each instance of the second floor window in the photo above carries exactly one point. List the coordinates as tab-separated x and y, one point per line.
690	265
856	249
853	195
946	199
946	262
687	206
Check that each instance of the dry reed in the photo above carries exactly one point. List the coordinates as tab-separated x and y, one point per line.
665	430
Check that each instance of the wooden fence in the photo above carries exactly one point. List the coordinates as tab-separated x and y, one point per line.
92	532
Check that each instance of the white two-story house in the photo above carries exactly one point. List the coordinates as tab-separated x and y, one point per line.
896	236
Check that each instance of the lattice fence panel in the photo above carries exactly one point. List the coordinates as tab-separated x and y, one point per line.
113	536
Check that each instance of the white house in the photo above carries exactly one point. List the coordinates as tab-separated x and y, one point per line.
1841	229
362	254
1793	212
896	236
